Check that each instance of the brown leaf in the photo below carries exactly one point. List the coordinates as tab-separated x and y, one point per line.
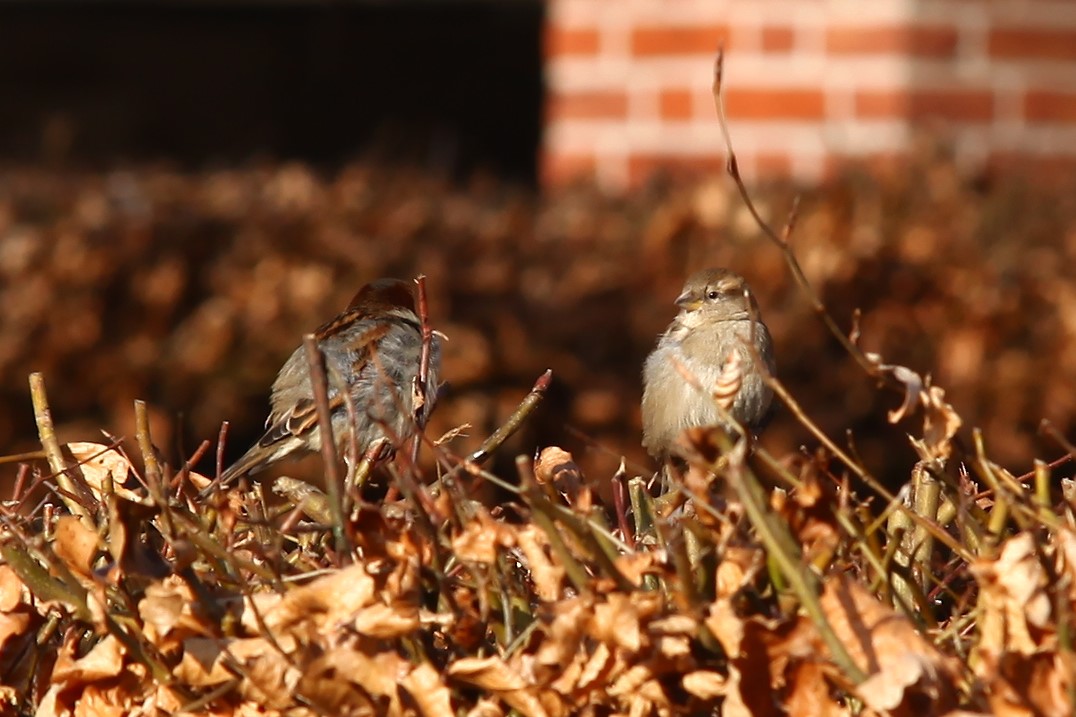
386	621
12	625
940	420
887	646
104	660
76	545
727	386
343	680
616	622
940	424
167	608
269	677
634	566
203	663
565	632
546	575
12	590
1065	540
595	667
737	569
1012	598
126	523
480	538
723	622
810	694
489	673
428	692
912	382
486	708
557	468
326	602
105	470
705	684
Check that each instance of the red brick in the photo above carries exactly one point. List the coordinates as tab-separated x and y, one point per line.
919	41
1046	106
965	105
560	169
1031	43
767	164
587	105
775	104
678	40
561	41
777	39
676	104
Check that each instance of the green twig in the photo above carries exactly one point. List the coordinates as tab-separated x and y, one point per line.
70	488
319	383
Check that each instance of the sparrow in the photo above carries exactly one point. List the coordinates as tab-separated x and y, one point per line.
718	320
374	348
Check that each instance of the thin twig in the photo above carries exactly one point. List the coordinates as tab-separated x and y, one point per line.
783	548
422	389
781	241
51	445
524	409
319	383
781	392
222	438
620	505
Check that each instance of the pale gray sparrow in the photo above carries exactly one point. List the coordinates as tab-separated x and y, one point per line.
718	319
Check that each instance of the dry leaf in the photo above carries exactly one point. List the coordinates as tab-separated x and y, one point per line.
76	545
105	469
325	602
595	667
726	626
386	621
704	684
104	660
12	590
810	693
490	673
728	383
428	692
565	632
1012	598
897	659
546	575
940	420
481	537
167	608
940	424
616	621
555	466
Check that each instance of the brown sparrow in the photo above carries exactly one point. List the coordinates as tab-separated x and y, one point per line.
375	348
718	320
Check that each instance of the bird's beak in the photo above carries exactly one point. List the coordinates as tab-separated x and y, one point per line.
688	300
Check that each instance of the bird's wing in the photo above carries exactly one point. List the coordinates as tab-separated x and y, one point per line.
298	421
301	417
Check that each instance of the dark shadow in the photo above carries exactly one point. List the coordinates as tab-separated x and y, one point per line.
450	85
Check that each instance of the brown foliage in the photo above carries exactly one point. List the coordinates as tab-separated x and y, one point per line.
823	595
189	290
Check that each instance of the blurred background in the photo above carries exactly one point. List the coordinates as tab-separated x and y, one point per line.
188	186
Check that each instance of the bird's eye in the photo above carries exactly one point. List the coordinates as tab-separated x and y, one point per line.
712	294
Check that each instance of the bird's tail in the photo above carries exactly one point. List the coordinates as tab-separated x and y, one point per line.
257	458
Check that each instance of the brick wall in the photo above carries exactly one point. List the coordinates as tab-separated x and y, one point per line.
809	83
